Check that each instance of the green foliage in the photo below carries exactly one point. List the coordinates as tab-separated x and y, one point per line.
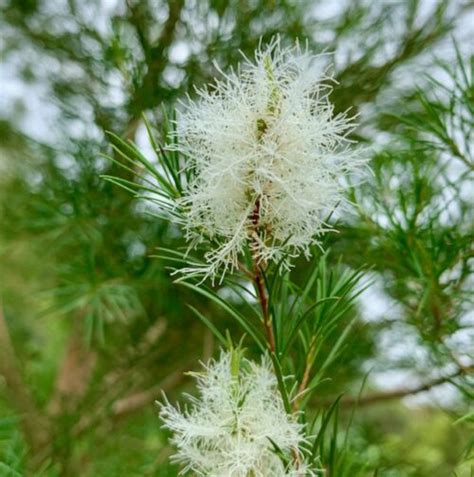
12	448
85	265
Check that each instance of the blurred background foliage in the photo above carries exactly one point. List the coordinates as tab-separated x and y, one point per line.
92	328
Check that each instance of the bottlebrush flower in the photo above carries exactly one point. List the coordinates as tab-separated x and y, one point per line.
267	155
230	430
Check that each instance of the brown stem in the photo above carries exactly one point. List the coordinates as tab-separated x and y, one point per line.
307	370
263	298
259	280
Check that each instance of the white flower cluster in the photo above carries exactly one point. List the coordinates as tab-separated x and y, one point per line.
232	427
268	156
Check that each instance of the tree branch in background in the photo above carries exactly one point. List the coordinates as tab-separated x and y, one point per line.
132	403
34	426
146	94
378	397
74	375
139	400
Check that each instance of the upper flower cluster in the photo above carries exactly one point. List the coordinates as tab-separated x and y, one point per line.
233	426
267	155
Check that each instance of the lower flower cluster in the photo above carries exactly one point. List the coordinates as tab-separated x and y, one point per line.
237	426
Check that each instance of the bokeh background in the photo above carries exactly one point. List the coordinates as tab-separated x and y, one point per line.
92	328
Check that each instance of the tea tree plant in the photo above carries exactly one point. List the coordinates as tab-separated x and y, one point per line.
252	170
97	318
